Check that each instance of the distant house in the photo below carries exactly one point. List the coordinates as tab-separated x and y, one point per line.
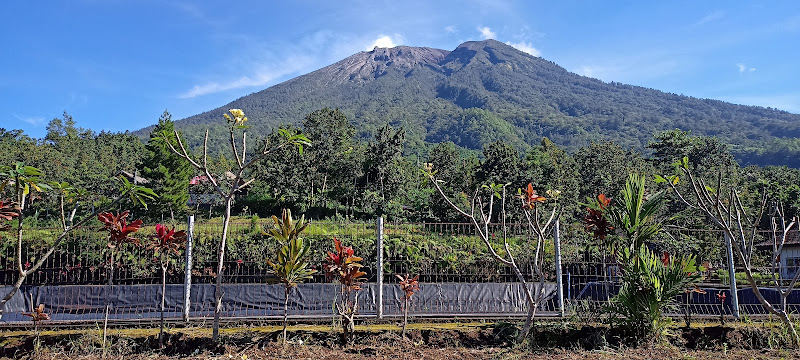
789	258
208	198
136	179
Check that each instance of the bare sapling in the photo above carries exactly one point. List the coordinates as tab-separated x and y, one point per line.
479	214
343	267
37	315
725	210
228	184
409	285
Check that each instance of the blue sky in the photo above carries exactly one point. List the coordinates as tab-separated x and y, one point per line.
116	65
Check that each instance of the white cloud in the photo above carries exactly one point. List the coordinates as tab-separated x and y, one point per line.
631	70
450	29
261	75
716	15
32	120
383	41
744	68
487	33
788	102
525	47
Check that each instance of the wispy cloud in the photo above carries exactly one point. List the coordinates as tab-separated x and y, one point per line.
36	121
261	75
634	70
487	33
714	16
744	68
788	102
303	55
450	29
525	47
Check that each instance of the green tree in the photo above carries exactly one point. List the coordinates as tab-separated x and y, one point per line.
552	168
334	160
604	167
457	172
167	172
501	164
383	155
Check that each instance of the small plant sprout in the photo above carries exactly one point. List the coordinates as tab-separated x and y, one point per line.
163	243
687	306
721	298
343	267
409	286
290	264
37	314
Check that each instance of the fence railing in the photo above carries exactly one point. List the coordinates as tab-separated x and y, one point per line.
440	253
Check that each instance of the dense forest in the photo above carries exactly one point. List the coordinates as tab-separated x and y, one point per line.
486	91
343	176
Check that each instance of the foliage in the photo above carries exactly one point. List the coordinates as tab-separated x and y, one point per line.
595	221
650	285
163	243
291	259
37	314
8	211
119	230
409	286
343	266
167	173
649	289
166	241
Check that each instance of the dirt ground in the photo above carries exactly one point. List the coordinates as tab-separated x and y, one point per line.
426	341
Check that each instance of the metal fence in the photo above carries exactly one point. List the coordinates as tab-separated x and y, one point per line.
457	276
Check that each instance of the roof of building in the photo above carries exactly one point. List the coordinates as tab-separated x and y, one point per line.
792	239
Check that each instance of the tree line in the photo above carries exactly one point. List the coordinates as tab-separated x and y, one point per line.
344	176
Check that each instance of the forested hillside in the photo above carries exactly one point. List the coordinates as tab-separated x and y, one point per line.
487	91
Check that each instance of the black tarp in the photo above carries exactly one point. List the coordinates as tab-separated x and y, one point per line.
130	302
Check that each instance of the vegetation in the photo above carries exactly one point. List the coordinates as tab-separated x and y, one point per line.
228	184
409	286
164	243
291	260
344	267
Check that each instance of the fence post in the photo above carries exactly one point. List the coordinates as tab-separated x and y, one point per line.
379	267
732	277
559	280
187	283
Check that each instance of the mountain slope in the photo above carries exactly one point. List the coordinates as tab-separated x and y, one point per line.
486	90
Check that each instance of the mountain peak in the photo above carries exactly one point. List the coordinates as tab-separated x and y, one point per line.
486	90
368	65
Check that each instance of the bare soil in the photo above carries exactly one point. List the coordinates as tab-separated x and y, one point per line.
451	341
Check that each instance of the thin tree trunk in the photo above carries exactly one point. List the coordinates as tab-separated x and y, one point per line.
220	262
405	318
163	297
105	329
285	312
111	269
